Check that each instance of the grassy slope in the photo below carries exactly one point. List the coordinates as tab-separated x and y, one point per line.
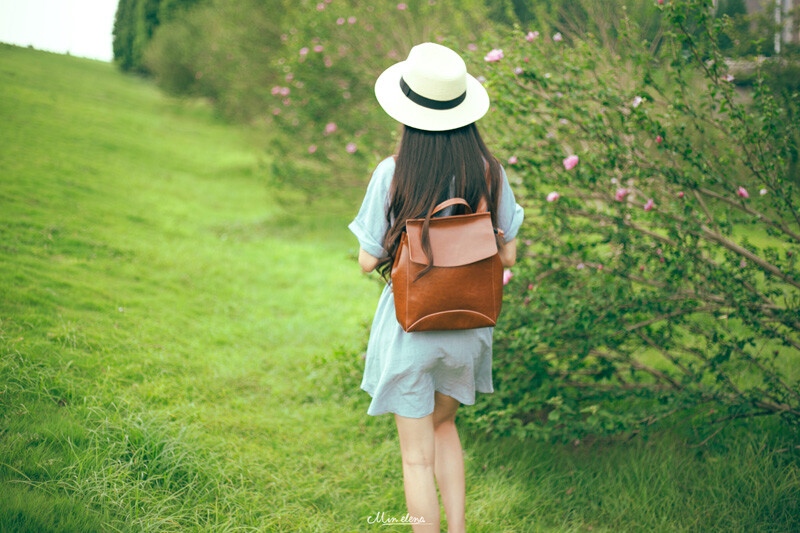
169	336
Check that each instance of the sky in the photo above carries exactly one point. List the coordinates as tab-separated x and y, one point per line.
80	27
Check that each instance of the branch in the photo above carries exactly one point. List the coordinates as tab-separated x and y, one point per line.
761	367
639	366
748	210
769	267
705	210
631	225
649	321
665	353
615	386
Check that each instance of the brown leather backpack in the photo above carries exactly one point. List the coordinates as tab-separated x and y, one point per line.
464	288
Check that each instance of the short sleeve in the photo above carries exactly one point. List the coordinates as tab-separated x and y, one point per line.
509	212
370	224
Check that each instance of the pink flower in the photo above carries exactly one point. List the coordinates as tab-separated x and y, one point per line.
660	2
513	160
402	7
742	192
285	91
531	36
518	71
620	194
579	266
557	37
680	194
472	47
330	127
287	101
275	90
553	196
351	20
289	77
648	205
328	62
762	192
659	139
729	77
320	6
276	111
570	162
637	100
530	287
351	148
312	148
599	267
507	275
318	48
658	251
340	21
495	54
641	268
304	51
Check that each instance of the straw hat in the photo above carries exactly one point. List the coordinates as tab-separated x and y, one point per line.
431	90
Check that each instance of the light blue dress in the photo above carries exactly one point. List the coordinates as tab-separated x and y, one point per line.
402	370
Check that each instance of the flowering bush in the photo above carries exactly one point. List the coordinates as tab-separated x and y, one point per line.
652	282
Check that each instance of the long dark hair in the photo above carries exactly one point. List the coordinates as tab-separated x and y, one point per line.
427	162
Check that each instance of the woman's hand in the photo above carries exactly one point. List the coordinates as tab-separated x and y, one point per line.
367	261
508	253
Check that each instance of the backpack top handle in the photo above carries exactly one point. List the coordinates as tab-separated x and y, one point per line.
451	201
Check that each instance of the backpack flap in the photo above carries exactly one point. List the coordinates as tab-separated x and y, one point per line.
455	241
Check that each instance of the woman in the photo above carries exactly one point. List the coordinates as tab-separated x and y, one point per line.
423	377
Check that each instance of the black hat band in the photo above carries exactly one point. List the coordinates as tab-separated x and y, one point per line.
427	102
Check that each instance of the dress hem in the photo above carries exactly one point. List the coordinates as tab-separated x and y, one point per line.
386	411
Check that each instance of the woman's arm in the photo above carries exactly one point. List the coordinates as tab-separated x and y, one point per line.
508	253
367	261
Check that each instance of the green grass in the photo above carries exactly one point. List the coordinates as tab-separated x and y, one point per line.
176	343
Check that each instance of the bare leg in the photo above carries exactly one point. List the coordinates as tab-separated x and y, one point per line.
449	464
417	449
